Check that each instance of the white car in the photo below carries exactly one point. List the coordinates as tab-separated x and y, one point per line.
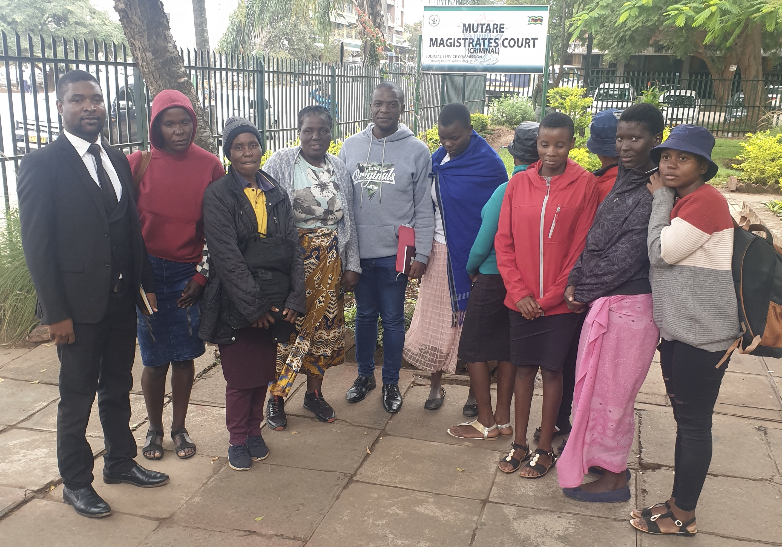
619	96
680	106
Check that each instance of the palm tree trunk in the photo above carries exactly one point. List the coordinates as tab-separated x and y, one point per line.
201	29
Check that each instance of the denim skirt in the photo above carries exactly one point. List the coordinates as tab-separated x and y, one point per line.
171	333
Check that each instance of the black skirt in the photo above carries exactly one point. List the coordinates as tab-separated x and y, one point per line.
486	329
543	342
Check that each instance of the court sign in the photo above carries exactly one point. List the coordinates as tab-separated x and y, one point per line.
484	39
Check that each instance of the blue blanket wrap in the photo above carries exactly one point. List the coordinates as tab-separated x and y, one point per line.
463	186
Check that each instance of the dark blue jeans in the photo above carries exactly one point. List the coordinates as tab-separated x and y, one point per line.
380	293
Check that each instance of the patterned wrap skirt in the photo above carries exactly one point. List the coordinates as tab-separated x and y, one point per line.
432	341
171	333
320	342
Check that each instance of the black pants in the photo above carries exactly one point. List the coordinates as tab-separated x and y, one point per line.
101	360
693	384
569	377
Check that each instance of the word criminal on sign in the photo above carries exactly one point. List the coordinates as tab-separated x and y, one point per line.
484	39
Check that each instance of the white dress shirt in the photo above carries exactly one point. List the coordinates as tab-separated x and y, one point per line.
83	149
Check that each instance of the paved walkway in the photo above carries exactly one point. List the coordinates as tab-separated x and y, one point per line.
371	479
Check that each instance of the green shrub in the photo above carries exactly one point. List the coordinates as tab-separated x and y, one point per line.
17	294
571	101
480	122
431	138
585	159
775	206
762	158
510	111
651	96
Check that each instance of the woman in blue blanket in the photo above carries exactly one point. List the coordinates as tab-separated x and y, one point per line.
465	173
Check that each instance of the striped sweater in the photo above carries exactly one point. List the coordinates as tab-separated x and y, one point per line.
690	251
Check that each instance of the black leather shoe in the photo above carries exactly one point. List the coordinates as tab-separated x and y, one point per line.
138	476
362	386
276	419
392	398
315	403
86	502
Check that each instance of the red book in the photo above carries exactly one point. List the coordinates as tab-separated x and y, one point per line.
405	252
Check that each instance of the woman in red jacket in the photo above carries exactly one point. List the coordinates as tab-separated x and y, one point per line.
170	193
545	216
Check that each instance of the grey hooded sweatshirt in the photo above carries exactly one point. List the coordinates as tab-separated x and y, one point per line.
391	187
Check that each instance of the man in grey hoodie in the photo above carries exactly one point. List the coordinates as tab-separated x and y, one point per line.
390	172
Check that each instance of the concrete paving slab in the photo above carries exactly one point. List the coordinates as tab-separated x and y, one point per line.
47	418
368	515
206	360
9	354
658	436
10	498
748	364
545	495
749	412
509	526
210	388
701	539
206	425
654	384
268	499
367	413
23	399
747	390
430	467
310	444
432	425
652	399
28	459
774	438
203	362
166	536
729	507
39	364
187	477
47	523
774	366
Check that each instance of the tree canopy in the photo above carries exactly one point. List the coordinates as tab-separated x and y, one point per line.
70	19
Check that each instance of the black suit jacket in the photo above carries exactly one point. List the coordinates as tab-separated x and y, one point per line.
65	233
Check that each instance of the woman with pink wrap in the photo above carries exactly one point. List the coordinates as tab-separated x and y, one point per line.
619	336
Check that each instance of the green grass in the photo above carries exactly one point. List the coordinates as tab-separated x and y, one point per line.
507	159
725	149
17	294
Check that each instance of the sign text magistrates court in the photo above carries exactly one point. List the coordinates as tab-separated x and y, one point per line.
484	39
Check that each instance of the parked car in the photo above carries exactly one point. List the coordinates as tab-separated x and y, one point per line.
123	115
735	108
680	106
618	96
32	134
775	97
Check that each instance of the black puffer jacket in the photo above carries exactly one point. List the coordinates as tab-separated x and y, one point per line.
229	220
615	258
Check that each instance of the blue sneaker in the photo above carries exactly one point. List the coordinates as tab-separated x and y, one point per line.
238	458
257	448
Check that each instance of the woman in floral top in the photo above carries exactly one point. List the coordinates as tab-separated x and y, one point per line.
322	196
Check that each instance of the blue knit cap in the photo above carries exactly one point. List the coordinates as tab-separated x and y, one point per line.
602	133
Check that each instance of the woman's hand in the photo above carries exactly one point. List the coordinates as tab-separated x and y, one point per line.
417	270
529	308
266	321
570	300
152	298
190	295
655	182
291	315
349	280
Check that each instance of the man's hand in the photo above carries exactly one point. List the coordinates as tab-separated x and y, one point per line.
190	295
349	280
417	270
529	308
62	332
655	182
291	315
152	297
266	321
570	300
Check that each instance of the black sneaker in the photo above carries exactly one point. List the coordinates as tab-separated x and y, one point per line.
257	448
315	403
238	458
276	419
361	386
392	398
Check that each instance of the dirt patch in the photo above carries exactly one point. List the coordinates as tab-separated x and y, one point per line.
499	137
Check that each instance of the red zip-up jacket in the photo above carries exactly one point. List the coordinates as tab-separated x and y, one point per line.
542	232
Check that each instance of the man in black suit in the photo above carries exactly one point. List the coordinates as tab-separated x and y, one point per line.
82	242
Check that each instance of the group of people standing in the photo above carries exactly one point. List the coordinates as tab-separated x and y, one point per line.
573	274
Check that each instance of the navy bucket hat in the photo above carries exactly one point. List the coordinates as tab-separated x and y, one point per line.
689	138
602	133
525	142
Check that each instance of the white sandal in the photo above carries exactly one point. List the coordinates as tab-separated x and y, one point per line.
482	429
505	426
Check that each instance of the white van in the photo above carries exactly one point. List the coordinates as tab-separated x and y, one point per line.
619	96
680	106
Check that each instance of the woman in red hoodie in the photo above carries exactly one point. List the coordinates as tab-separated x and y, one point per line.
172	179
545	216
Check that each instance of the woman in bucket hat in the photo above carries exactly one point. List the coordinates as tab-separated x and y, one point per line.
690	250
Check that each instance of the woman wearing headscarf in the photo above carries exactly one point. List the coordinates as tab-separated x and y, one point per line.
171	180
256	285
321	194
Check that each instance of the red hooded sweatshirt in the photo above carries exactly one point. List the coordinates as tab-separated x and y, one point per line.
542	231
170	195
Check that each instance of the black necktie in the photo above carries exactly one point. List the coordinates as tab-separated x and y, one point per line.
107	188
